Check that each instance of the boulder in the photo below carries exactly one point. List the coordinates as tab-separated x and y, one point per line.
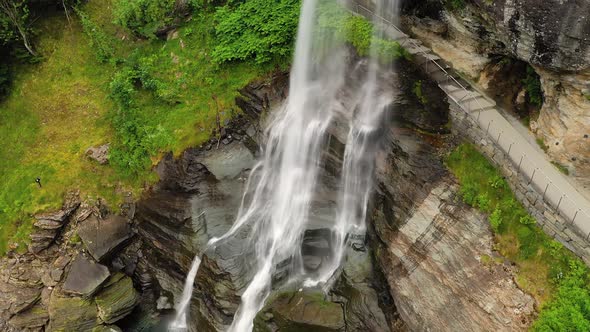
85	277
48	225
228	162
32	319
117	299
71	314
99	153
301	311
16	298
103	237
107	328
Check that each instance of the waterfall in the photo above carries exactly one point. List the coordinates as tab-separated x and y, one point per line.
278	195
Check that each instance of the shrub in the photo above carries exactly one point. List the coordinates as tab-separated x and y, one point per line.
497	182
455	4
496	220
262	30
527	220
570	309
337	23
99	40
137	140
146	17
482	202
468	192
532	85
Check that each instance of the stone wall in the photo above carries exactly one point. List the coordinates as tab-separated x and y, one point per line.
530	196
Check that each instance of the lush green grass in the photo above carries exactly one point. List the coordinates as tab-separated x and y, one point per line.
546	269
55	111
62	106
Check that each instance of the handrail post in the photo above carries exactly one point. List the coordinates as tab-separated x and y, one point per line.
488	130
533	176
510	148
546	187
559	203
521	157
575	215
498	139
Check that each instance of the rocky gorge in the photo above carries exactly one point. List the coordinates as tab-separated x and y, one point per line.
89	269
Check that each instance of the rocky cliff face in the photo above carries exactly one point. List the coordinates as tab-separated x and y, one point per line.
553	36
419	263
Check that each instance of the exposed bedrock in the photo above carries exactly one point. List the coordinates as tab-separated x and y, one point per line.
553	36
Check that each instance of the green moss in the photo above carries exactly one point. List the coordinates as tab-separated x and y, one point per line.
541	144
532	85
417	90
561	168
455	4
545	266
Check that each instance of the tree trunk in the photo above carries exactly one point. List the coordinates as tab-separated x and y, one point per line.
26	42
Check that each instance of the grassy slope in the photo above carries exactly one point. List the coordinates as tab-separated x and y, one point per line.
60	107
540	259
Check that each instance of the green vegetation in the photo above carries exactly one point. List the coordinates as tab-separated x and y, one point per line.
104	77
261	30
455	4
146	17
99	84
548	271
532	85
541	144
417	90
561	168
340	24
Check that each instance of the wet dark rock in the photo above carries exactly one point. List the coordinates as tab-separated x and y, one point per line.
71	314
16	298
301	311
103	237
163	303
117	299
85	277
229	162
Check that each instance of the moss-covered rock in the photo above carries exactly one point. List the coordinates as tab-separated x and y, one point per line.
107	328
34	318
301	311
117	299
71	314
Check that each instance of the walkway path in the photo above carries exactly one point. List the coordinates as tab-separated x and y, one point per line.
556	189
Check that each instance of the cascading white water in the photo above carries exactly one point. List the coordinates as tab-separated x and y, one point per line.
281	187
359	155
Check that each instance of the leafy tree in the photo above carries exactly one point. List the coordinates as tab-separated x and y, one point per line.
14	25
146	17
262	30
570	309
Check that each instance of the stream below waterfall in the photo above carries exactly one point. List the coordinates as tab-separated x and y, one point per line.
282	188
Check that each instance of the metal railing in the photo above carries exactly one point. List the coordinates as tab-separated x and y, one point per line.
560	201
